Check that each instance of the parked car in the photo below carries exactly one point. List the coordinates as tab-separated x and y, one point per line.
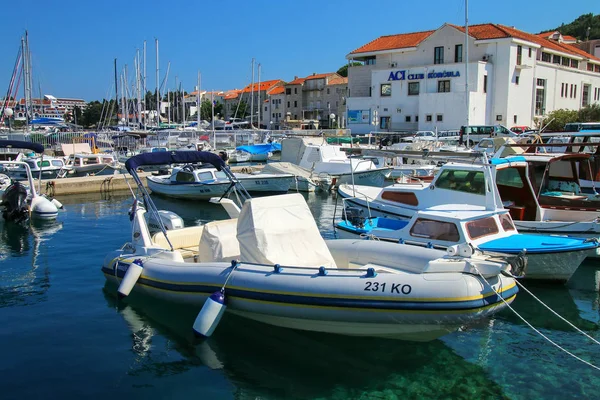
520	129
478	132
420	135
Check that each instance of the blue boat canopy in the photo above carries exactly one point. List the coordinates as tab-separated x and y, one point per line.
174	157
19	144
496	161
260	148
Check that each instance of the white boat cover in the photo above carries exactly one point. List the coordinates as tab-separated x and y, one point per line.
281	230
75	148
218	241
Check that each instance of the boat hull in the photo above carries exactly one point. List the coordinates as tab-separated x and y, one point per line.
395	305
204	191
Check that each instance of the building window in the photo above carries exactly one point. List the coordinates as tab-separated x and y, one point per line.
295	103
546	57
540	97
485	84
571	96
566	61
443	86
530	52
288	104
519	55
407	119
575	94
428	118
590	67
585	95
438	56
327	90
562	89
439	118
416	118
515	119
499	117
266	108
574	64
288	91
596	68
458	53
555	59
370	60
413	88
386	89
516	79
295	90
384	122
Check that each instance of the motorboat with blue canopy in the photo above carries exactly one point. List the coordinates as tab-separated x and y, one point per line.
199	182
269	262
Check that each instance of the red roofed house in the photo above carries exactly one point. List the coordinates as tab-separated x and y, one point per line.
314	98
252	95
416	81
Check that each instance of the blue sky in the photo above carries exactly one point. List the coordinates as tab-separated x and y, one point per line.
73	43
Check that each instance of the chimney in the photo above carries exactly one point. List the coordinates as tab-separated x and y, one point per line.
295	77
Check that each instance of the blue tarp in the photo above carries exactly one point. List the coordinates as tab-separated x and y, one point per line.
18	144
174	157
260	148
513	244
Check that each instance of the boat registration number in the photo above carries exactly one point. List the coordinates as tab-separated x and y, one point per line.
397	288
261	182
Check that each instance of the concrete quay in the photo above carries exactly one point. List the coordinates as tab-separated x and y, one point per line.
104	183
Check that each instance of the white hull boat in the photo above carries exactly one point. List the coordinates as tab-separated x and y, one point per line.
271	265
203	183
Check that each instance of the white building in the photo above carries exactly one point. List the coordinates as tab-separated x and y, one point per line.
416	81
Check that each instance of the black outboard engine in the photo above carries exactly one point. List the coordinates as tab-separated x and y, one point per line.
14	201
354	216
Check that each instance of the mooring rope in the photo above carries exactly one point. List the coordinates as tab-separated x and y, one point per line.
533	328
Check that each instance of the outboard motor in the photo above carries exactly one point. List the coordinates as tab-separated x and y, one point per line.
14	201
354	216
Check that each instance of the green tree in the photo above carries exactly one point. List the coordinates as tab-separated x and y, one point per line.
92	114
206	110
590	113
343	71
579	27
558	118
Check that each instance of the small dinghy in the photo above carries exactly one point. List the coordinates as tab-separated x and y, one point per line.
271	264
20	202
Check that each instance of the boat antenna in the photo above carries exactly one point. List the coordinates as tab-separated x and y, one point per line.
467	67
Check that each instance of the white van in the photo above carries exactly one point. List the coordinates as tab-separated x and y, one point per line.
478	132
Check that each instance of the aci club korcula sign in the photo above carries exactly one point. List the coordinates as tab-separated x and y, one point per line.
402	75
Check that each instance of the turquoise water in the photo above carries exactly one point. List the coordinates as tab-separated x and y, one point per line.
64	334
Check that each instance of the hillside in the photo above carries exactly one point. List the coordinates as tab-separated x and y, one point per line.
578	28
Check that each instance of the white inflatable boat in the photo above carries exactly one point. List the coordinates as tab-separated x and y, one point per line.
272	265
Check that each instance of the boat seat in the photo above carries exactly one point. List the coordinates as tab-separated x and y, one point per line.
185	240
218	241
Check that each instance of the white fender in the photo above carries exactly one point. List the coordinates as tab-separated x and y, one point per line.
208	318
131	277
43	208
57	203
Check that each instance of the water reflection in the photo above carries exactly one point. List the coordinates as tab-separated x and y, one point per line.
270	362
24	283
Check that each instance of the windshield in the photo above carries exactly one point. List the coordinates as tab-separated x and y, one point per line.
462	181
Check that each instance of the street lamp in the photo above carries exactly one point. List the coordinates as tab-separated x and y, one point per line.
331	120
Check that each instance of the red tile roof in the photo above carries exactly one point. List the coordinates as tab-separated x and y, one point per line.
338	80
319	76
390	42
297	81
266	85
277	90
479	32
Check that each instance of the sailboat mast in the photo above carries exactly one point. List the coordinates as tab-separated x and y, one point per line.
198	103
467	99
157	89
252	96
259	103
138	89
145	107
182	104
116	93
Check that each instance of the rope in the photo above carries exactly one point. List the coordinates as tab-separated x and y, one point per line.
555	313
533	328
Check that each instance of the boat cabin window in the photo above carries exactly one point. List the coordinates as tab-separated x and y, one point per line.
220	175
400	197
462	181
509	177
31	164
106	160
184	176
43	164
205	176
436	230
481	227
506	222
57	163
